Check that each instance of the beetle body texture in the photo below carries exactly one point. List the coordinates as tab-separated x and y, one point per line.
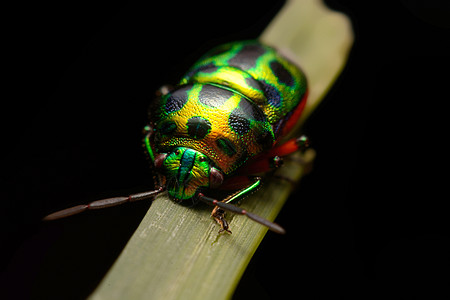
229	110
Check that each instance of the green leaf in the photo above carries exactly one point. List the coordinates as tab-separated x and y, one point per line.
176	252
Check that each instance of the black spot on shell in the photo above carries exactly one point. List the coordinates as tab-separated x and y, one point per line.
251	110
238	122
246	58
177	99
213	96
198	127
281	73
272	94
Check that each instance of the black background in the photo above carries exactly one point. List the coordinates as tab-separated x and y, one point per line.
367	222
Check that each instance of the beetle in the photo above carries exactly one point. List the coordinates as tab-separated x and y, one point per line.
223	125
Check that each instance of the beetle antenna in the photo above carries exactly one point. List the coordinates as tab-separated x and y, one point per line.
103	203
235	209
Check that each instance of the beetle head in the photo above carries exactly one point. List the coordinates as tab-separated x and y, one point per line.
187	171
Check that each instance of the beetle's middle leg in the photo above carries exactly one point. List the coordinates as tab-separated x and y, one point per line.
273	159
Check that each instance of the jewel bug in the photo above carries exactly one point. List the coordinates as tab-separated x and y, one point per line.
219	128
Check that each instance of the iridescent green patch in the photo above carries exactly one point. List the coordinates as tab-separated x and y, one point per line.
226	146
186	170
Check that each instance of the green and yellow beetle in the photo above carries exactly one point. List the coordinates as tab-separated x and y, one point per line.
221	126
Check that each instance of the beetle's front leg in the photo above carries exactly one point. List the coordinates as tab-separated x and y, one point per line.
219	215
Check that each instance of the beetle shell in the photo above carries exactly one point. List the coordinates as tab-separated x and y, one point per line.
233	104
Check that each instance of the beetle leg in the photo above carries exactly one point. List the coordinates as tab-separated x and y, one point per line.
219	214
148	131
244	192
230	207
263	164
293	145
156	160
103	203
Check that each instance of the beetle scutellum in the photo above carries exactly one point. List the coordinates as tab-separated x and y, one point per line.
221	126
